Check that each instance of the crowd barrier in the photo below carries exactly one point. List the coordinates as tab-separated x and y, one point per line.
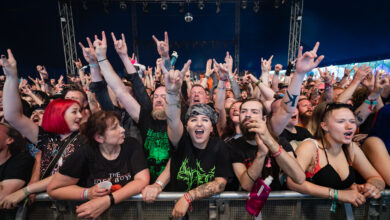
228	205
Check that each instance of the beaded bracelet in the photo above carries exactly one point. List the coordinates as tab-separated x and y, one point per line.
25	191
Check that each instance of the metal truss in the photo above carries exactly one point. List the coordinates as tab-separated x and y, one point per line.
237	21
68	35
295	29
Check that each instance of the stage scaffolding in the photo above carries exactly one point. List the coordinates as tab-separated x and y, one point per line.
296	18
68	35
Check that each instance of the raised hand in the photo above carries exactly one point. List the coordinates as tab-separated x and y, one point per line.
9	65
380	82
78	63
89	52
347	72
278	67
326	76
369	82
229	63
100	47
174	78
209	70
120	45
305	62
362	72
266	64
162	46
222	70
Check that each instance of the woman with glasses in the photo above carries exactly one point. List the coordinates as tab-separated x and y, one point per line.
331	159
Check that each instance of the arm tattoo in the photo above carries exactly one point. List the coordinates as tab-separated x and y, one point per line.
292	99
380	185
208	189
359	117
167	64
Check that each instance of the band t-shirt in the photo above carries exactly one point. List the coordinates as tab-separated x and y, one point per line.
156	144
18	166
243	152
89	165
192	167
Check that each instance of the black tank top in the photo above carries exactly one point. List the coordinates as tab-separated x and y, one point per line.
328	176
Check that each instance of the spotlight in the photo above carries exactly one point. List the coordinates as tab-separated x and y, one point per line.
277	3
106	4
201	4
122	5
181	7
256	6
244	4
164	5
84	2
218	7
188	17
145	7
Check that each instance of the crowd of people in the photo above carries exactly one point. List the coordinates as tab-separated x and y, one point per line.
157	129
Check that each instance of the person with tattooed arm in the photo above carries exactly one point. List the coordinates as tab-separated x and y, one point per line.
199	164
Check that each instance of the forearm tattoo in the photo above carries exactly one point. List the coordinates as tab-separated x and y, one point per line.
380	185
359	117
208	189
292	99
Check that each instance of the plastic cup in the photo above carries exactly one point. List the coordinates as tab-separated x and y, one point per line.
105	185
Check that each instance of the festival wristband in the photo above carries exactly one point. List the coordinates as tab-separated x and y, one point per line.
277	154
187	198
161	184
93	65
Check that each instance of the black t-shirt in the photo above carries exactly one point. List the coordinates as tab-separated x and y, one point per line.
243	152
18	166
296	139
89	165
192	167
156	144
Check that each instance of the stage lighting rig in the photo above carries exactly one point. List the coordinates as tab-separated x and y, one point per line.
164	5
256	6
122	5
201	4
244	4
145	7
218	6
181	7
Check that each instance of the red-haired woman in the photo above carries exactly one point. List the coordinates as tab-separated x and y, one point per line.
108	156
60	128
